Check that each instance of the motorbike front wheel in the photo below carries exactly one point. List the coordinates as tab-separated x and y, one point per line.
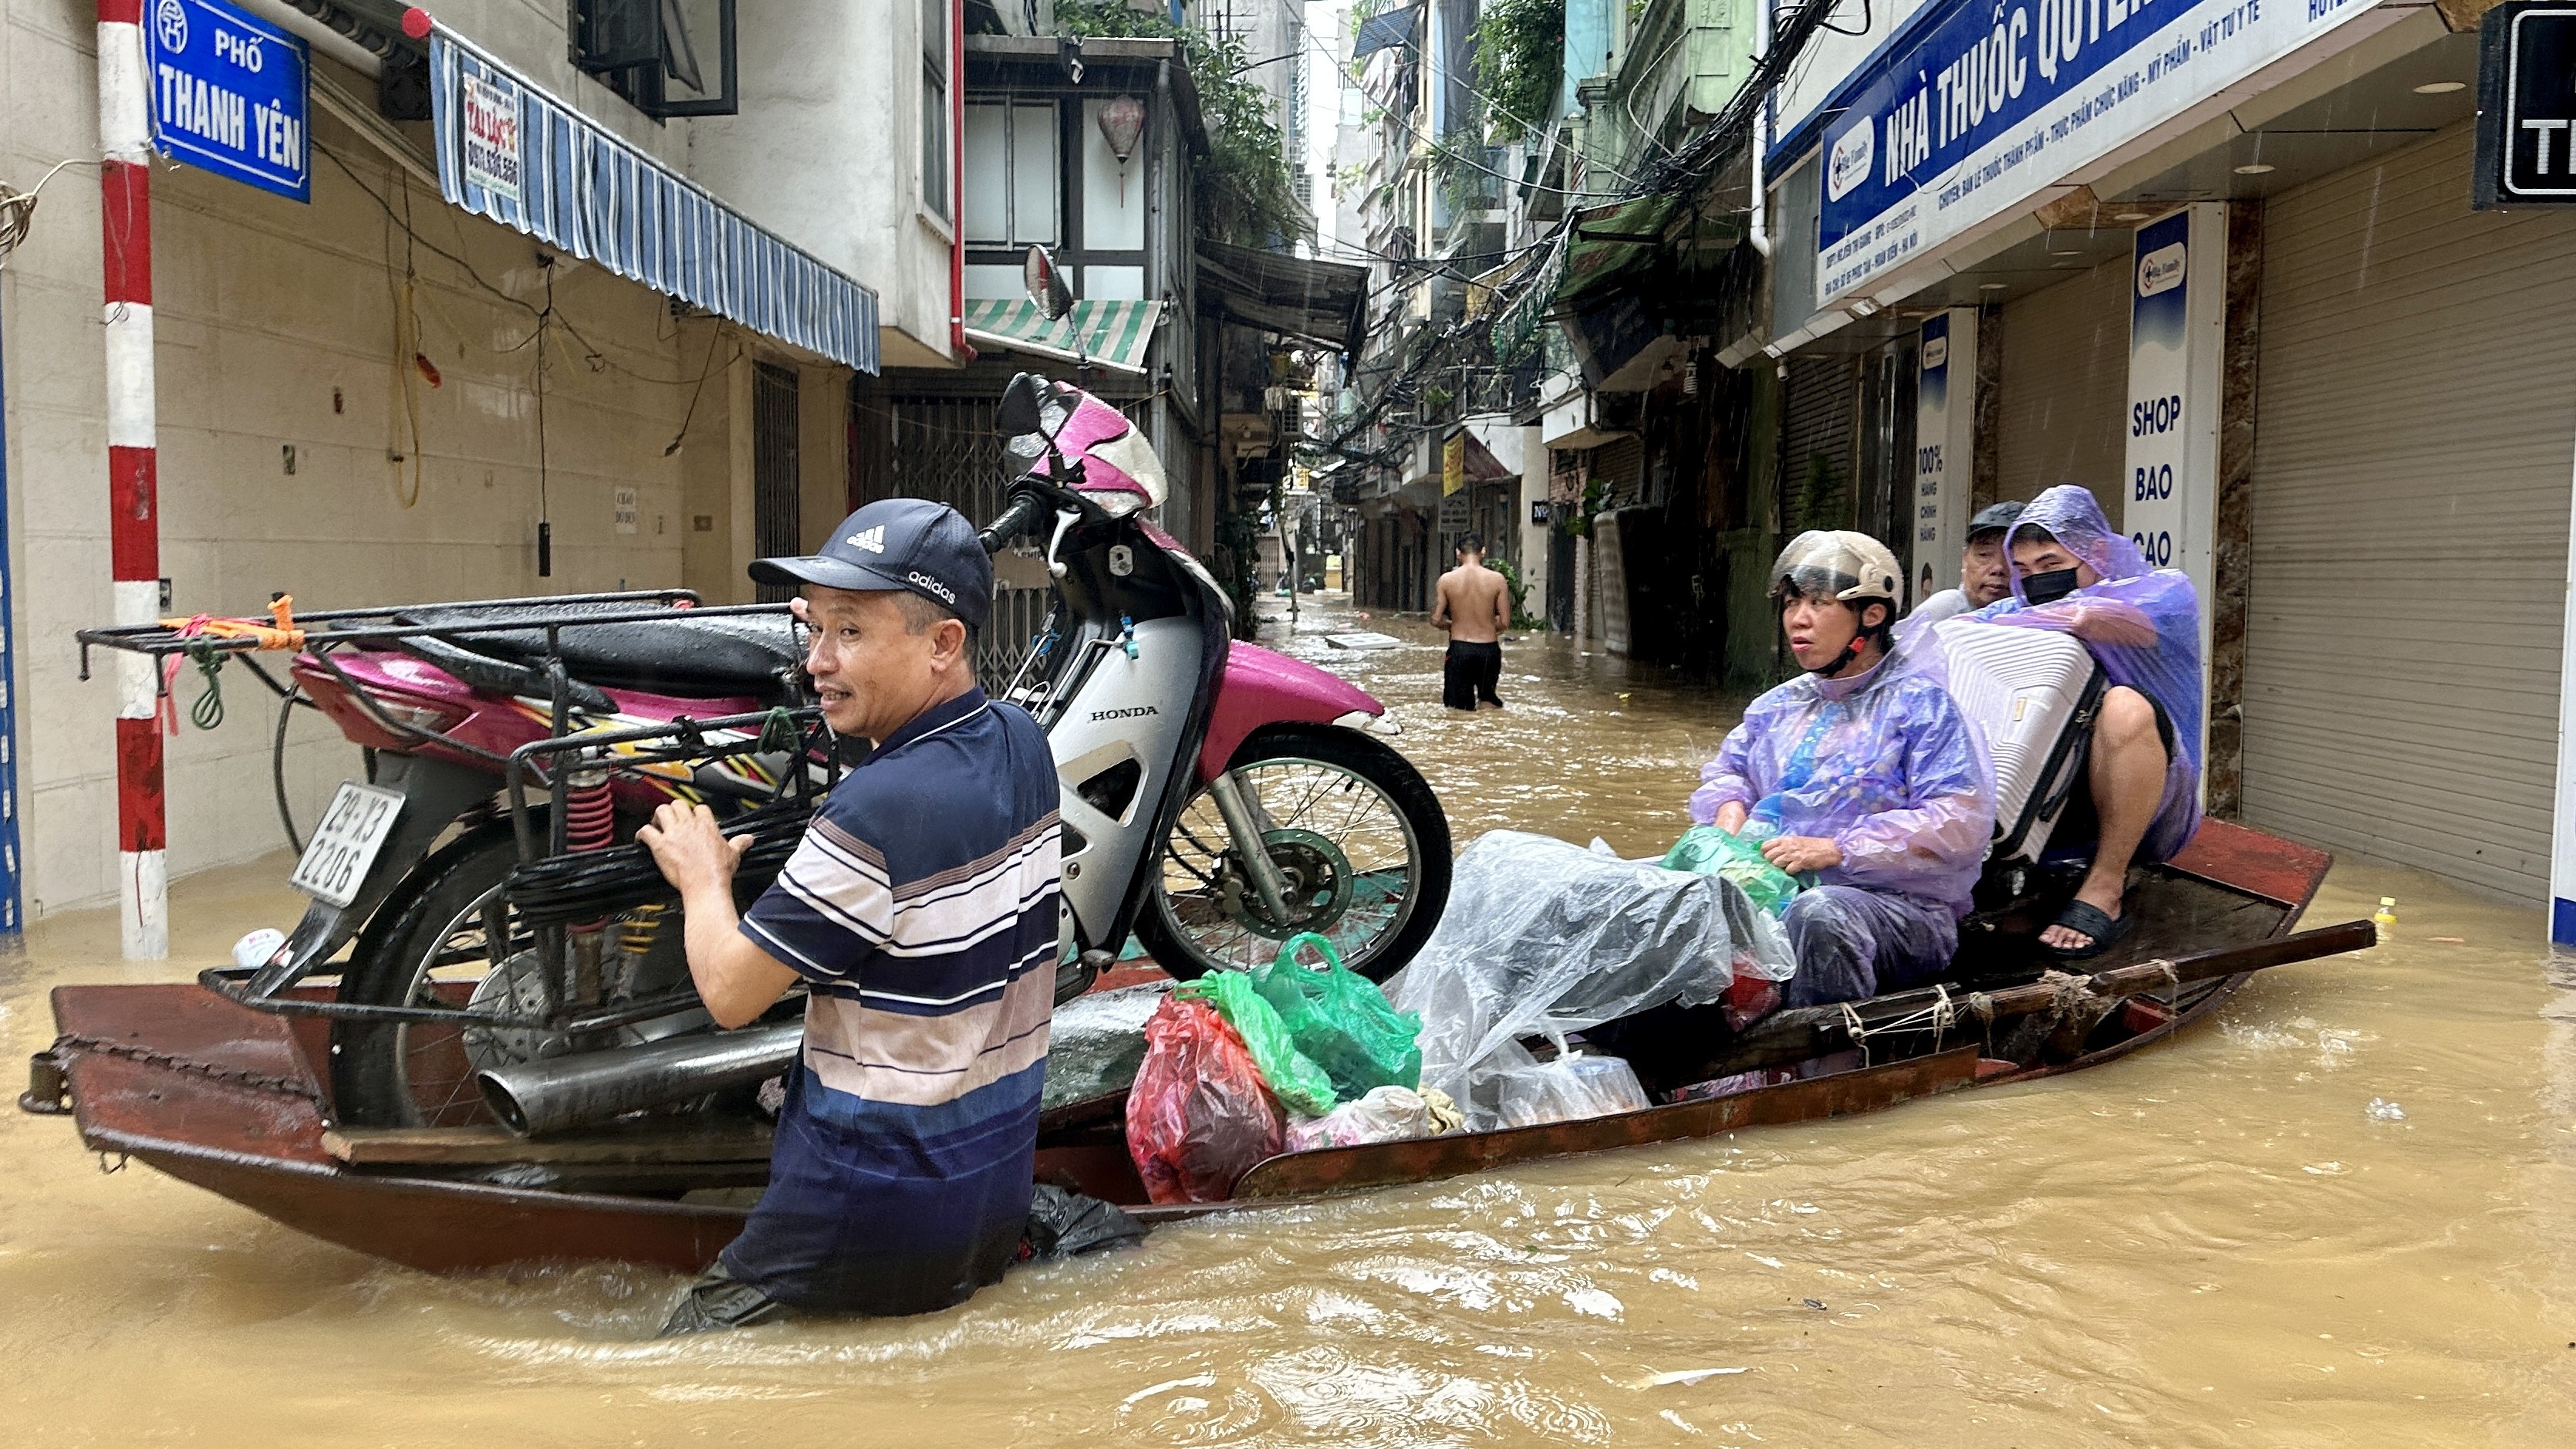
1360	843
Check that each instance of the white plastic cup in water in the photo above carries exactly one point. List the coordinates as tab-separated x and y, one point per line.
252	951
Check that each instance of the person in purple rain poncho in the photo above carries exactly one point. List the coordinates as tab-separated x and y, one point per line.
1863	774
2074	573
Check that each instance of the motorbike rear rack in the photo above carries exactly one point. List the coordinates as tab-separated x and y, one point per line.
534	777
316	636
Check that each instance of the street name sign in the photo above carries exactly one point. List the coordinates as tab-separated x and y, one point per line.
231	95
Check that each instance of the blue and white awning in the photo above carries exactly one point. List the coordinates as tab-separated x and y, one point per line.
509	151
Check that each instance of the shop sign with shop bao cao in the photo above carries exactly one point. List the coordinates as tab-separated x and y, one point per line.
230	94
2526	106
1978	105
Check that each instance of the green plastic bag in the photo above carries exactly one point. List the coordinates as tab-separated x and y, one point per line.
1707	850
1297	1082
1341	1021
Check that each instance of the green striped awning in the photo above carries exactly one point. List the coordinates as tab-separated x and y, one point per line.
1104	334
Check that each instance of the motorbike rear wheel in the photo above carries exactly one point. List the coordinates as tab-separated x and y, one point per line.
1356	833
374	1063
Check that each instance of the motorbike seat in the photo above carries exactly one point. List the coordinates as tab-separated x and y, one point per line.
685	656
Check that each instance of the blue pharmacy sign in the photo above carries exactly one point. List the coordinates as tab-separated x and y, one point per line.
1976	106
230	94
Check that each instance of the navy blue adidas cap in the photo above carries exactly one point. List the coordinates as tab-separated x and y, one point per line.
898	543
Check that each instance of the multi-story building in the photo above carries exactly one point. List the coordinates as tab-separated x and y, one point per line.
580	296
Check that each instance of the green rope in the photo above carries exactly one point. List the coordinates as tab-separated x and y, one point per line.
208	712
778	731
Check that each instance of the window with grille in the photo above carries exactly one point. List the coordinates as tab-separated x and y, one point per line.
776	478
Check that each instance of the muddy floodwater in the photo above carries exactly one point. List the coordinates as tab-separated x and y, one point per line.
2218	1242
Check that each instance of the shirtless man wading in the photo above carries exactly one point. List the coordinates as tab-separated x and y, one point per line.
1475	606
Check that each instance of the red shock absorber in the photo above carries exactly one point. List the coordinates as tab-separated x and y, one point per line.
590	814
590	823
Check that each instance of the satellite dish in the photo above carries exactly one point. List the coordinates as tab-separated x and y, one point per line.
1046	285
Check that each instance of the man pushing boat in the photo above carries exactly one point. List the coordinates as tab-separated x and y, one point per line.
1862	772
919	911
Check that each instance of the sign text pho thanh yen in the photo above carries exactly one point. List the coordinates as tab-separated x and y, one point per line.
230	94
1985	102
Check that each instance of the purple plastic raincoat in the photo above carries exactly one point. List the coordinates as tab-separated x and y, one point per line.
2141	624
1883	765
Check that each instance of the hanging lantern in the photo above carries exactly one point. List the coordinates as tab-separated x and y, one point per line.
1122	124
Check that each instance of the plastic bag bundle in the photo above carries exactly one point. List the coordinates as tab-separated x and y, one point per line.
1198	1117
1341	1021
1567	1089
1707	850
1297	1082
1386	1114
1545	938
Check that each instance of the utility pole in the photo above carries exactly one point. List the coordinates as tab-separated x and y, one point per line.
134	526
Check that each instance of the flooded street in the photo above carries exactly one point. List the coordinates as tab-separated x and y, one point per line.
2214	1243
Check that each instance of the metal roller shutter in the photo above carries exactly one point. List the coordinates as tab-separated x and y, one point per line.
1822	415
2065	387
2415	419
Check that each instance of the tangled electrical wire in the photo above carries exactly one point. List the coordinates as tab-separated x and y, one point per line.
18	209
1686	168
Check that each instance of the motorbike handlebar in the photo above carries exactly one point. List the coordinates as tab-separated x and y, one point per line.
1023	514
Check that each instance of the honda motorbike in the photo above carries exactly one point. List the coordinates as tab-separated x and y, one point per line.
510	950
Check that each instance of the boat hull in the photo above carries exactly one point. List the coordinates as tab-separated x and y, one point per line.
236	1102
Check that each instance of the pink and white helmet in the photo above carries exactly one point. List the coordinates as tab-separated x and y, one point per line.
1117	462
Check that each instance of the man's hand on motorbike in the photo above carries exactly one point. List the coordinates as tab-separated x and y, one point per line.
690	848
1799	854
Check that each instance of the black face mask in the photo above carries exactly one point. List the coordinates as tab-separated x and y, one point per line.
2048	588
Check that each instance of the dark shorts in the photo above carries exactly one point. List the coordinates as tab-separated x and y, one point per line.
2177	814
1470	673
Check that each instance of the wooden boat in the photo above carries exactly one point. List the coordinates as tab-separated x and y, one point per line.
237	1102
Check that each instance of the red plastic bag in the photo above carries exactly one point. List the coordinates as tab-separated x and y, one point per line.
1198	1116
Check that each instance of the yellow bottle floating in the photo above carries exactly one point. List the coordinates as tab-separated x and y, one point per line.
2385	918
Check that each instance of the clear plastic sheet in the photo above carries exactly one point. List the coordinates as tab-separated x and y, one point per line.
1567	1089
1097	1041
1543	937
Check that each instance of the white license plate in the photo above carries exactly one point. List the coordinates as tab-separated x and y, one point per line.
354	828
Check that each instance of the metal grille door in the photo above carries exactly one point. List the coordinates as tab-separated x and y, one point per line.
775	480
945	449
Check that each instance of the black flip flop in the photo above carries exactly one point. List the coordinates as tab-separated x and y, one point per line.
2087	918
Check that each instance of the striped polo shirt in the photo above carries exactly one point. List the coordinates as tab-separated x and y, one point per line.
921	911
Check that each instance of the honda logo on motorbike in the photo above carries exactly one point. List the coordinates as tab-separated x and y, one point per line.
1138	712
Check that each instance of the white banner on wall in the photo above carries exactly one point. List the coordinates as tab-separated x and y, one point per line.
2177	361
1945	414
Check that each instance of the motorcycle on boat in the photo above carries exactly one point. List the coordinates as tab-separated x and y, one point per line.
511	952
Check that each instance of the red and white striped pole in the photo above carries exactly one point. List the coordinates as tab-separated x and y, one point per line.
134	529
